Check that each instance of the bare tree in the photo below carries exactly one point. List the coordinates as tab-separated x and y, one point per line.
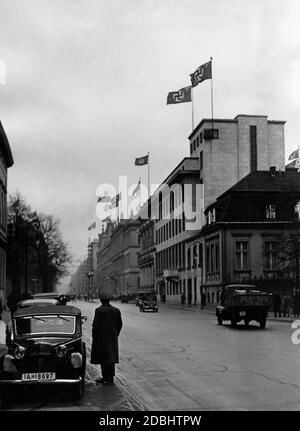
288	255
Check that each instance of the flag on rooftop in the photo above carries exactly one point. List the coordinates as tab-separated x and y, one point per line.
140	161
201	73
115	200
137	188
103	199
180	96
294	155
92	226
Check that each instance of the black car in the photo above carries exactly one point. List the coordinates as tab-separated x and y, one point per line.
45	347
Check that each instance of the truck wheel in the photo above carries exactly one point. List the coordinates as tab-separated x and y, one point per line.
220	321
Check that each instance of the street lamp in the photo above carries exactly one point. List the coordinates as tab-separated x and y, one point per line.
89	277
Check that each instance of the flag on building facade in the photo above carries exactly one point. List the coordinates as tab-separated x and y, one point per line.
92	226
115	200
294	155
180	96
140	161
137	188
203	72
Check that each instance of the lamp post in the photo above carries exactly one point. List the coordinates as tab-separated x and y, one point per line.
89	278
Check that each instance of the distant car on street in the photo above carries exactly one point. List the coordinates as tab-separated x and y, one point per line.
45	347
148	302
243	302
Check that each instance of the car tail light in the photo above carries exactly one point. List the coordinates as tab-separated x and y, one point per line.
19	352
76	359
61	351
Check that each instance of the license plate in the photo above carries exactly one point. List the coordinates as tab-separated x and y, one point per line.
242	313
38	377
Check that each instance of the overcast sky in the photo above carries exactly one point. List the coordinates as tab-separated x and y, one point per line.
87	82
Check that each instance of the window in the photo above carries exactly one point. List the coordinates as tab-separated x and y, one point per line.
201	137
188	258
297	211
211	134
270	211
253	149
242	255
201	159
200	256
270	255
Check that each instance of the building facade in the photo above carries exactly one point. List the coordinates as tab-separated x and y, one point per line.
245	229
117	267
6	161
172	229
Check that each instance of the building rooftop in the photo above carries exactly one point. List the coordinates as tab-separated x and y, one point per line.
230	120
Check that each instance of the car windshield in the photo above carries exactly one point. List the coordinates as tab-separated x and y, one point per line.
31	325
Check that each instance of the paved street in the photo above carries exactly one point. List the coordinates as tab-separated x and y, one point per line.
182	360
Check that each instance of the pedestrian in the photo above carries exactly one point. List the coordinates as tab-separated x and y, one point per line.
107	325
183	298
203	300
286	305
163	298
277	304
296	305
12	301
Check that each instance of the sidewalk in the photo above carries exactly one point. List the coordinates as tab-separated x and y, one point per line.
211	309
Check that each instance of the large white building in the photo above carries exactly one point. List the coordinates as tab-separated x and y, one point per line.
222	152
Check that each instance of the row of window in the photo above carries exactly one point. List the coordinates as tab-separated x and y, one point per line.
205	134
171	258
3	208
169	230
2	268
174	257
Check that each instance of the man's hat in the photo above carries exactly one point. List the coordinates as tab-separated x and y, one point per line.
104	296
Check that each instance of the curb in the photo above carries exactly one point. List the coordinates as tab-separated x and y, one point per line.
212	311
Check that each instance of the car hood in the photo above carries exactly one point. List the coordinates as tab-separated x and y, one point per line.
36	341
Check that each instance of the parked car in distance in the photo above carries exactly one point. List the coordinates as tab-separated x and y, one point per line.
46	347
243	302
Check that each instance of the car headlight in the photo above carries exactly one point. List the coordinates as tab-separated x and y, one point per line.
61	351
8	364
19	352
76	359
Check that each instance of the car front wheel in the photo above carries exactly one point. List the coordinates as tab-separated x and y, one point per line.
78	391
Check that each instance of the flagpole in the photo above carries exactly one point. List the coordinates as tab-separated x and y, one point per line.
140	180
192	108
211	100
148	175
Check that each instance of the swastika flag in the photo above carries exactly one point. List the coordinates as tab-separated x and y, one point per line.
180	96
203	72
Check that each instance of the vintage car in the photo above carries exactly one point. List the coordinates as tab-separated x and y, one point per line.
45	347
148	302
243	302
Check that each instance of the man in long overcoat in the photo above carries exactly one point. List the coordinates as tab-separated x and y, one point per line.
107	326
